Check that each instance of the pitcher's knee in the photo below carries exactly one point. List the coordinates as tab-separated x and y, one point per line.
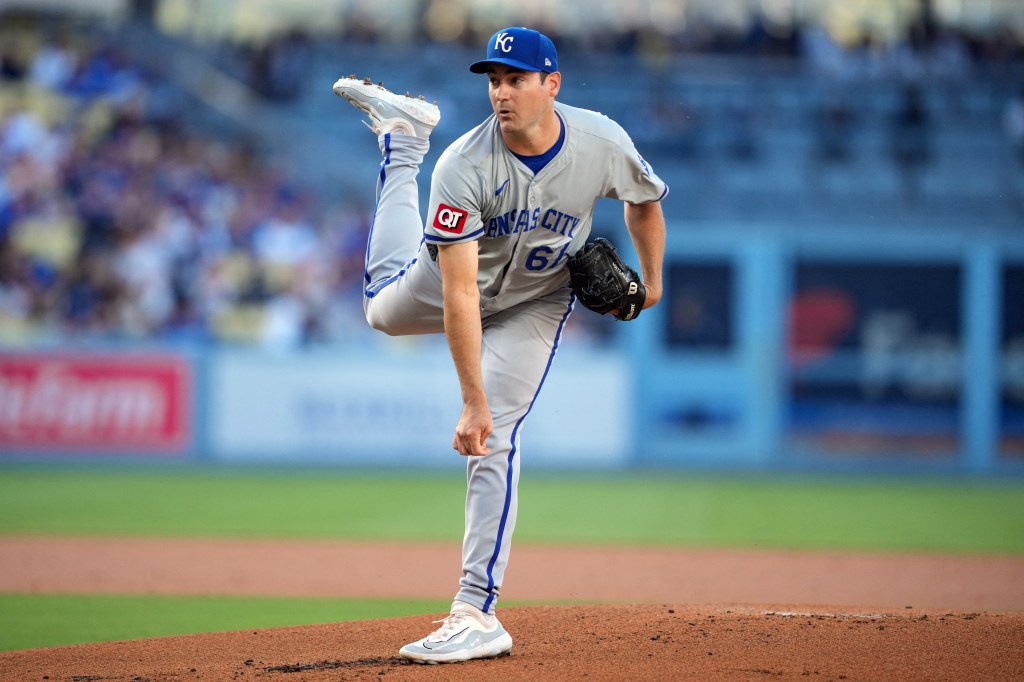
381	321
402	317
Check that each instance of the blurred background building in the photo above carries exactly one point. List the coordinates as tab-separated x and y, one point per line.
845	272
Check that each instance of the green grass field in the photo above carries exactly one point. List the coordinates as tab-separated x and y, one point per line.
676	510
29	620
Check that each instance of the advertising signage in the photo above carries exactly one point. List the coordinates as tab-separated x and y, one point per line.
97	403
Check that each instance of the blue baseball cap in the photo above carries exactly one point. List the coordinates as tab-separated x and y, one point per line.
520	48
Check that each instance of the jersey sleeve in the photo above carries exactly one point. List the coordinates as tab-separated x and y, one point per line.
453	214
632	179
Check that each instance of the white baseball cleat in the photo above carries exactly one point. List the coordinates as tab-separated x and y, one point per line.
388	112
467	633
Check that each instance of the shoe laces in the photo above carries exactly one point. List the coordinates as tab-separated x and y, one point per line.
453	623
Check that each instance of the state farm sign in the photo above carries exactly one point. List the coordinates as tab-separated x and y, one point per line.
138	402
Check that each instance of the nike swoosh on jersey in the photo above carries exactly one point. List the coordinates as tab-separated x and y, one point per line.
502	188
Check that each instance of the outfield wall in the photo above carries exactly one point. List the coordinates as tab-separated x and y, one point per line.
383	406
865	350
849	348
386	408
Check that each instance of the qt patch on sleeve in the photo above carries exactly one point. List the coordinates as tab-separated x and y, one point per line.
450	219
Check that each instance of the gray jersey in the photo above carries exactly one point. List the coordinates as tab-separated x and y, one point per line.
528	225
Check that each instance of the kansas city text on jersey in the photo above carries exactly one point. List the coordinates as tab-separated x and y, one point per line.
524	220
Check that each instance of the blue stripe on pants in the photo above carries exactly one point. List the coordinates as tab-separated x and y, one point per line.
511	457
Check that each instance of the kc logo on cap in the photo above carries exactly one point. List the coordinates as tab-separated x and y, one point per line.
504	41
520	48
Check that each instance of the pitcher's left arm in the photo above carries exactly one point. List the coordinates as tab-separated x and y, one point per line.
646	226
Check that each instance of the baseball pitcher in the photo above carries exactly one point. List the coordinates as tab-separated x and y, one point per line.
497	267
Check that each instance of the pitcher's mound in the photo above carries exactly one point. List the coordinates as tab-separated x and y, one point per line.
619	642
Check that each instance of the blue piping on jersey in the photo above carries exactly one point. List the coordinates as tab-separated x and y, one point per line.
664	193
511	456
443	240
383	176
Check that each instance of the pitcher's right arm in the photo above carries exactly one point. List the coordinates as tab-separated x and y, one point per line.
458	264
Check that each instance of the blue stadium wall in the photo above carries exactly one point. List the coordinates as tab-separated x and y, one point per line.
844	350
852	349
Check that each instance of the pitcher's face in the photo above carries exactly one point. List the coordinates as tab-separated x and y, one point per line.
520	100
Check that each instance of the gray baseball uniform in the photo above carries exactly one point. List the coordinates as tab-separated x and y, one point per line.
526	226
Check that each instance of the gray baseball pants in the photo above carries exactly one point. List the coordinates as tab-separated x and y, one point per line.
402	295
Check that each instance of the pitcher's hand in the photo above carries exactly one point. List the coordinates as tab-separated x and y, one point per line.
471	433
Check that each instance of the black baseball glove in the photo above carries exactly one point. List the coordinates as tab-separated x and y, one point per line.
604	283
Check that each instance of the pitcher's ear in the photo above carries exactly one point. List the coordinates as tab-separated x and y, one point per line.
554	82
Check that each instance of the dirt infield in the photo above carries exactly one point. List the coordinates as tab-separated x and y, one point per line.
692	615
614	643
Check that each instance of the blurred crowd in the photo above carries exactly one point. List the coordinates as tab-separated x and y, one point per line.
118	222
926	50
923	40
